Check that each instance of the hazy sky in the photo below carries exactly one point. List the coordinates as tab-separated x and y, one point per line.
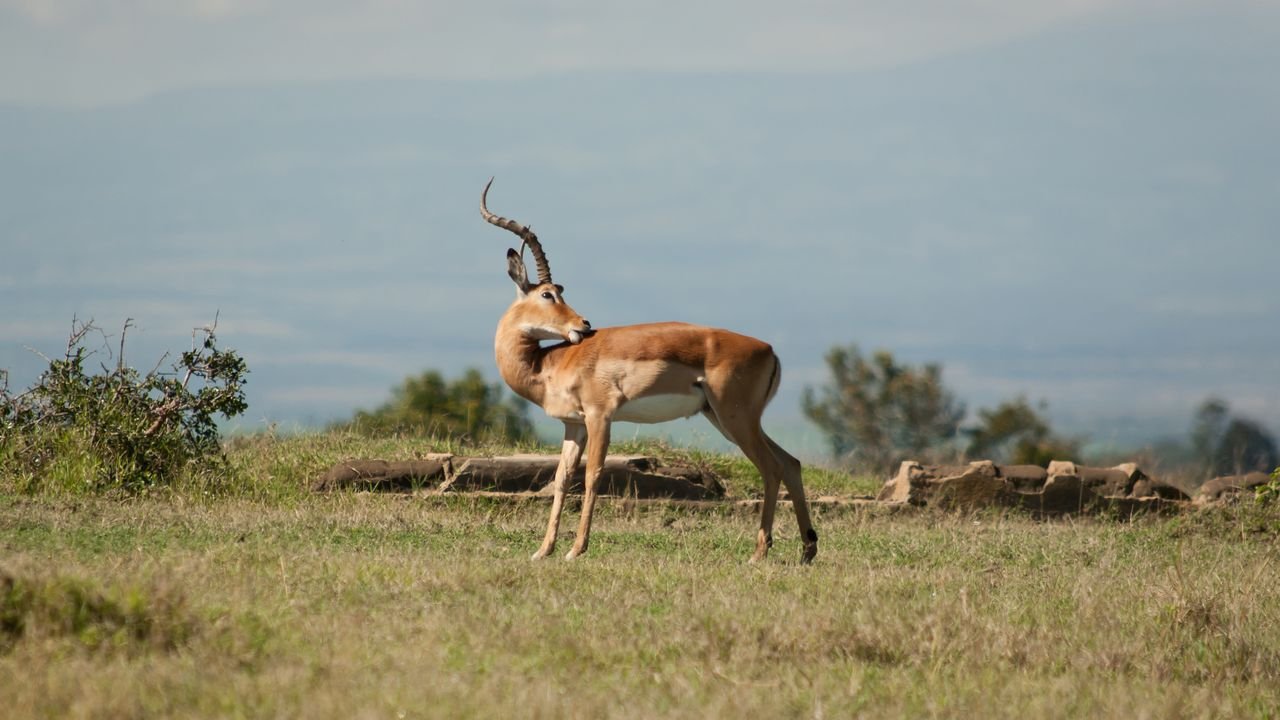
90	51
1075	201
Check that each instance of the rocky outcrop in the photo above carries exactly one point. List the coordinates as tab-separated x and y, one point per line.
1230	488
1063	487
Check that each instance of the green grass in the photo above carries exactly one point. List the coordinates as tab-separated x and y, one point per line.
259	599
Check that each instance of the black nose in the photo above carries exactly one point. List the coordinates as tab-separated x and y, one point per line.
586	324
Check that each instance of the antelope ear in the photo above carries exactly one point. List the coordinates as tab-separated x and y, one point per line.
517	271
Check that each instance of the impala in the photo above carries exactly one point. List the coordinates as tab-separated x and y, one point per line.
648	373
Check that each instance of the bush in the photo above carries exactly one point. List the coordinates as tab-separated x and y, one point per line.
1268	494
466	409
119	428
1014	432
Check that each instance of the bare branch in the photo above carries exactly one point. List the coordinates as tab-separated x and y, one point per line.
159	362
206	329
37	353
128	323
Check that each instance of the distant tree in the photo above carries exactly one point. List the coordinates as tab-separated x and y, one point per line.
1225	445
876	411
1244	447
464	408
1207	429
1015	432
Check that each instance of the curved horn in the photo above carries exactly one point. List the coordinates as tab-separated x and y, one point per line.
526	236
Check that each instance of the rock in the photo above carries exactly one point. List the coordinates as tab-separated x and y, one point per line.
1023	478
948	486
1142	486
906	485
384	475
1064	487
1103	482
1064	492
1229	488
978	486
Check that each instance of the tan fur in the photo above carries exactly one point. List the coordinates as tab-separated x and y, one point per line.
585	383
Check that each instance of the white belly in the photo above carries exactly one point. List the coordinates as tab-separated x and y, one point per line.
661	408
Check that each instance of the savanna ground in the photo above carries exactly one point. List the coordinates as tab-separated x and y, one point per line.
263	600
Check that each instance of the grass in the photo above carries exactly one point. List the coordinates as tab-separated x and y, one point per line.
259	599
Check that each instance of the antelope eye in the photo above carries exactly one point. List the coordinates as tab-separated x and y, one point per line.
546	295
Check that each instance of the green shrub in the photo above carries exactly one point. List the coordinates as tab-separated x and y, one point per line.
118	428
1269	493
467	409
1016	433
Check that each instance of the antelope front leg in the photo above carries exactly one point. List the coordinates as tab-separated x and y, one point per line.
574	437
597	448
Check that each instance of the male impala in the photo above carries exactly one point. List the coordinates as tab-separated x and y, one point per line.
648	373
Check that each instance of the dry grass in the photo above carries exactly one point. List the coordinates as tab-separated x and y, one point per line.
268	602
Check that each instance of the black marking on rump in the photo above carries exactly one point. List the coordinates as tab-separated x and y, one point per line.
774	380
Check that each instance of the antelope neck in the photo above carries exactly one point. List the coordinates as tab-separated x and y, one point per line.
521	361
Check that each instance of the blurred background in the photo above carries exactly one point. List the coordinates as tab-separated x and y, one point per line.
1068	208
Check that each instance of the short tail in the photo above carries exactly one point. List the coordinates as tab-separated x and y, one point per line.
774	381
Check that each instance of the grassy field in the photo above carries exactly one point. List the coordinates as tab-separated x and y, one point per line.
261	600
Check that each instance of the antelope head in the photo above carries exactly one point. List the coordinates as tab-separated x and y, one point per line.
539	311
